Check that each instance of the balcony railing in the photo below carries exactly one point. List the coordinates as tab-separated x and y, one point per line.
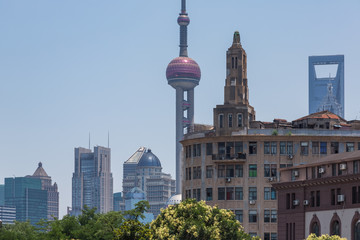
238	156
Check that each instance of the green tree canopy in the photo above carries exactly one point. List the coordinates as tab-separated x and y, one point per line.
324	237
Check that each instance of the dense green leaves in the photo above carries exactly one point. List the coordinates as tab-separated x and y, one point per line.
187	220
324	237
192	220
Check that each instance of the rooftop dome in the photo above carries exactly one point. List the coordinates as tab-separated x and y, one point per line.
148	159
183	70
174	199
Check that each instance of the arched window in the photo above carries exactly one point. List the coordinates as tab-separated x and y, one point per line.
335	228
357	230
315	228
355	226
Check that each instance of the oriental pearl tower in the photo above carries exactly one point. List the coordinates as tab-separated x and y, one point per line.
183	74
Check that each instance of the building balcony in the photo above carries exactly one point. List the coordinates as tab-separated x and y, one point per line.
229	157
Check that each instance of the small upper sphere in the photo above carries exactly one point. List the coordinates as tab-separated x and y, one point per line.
183	20
183	68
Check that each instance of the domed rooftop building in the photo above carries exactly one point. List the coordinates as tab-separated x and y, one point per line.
143	172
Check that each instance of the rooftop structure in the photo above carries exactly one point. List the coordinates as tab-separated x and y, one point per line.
326	92
183	74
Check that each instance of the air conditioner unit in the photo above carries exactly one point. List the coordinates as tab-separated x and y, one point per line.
306	202
271	179
290	156
252	202
296	202
341	198
228	179
343	166
296	173
321	170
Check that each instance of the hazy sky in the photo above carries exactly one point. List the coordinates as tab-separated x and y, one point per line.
68	68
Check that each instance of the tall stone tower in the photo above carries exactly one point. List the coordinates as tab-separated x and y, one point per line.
183	74
236	113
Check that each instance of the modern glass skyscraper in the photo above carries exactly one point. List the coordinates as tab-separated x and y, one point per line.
27	196
92	182
2	194
326	92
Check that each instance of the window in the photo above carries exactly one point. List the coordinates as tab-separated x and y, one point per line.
273	148
239	148
230	120
354	194
239	193
304	148
252	147
229	149
266	216
318	198
270	170
266	193
273	216
323	147
198	195
332	196
292	200
239	215
194	194
209	195
356	166
333	169
289	148
239	120
266	147
273	236
221	171
229	193
266	236
197	150
312	199
221	120
335	228
221	148
266	170
252	170
252	216
209	149
188	194
282	148
315	148
357	230
338	192
221	193
349	146
252	193
209	171
315	228
273	194
288	201
339	170
238	170
229	170
334	147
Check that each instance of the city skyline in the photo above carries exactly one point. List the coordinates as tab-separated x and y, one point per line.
63	60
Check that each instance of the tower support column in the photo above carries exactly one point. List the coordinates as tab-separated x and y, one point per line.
179	135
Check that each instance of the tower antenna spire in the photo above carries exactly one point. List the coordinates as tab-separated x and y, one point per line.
183	6
183	21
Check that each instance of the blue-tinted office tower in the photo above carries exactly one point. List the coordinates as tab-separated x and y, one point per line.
326	93
27	196
2	194
92	182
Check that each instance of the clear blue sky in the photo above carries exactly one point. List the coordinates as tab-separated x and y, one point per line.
68	68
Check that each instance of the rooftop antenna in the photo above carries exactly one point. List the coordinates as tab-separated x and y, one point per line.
89	140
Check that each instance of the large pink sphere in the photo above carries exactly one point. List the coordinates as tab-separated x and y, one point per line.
183	68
